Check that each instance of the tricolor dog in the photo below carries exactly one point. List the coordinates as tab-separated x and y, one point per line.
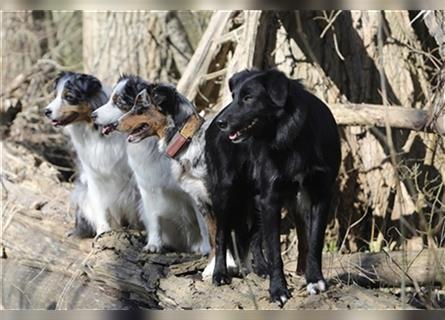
164	113
105	194
170	214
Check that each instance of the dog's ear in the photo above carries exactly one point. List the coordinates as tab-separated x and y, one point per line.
143	98
90	85
238	77
158	94
142	85
277	87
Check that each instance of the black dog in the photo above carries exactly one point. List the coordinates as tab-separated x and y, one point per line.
274	145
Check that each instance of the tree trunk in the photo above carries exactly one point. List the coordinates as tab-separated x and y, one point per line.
155	46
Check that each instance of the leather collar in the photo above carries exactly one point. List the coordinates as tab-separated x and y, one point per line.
184	135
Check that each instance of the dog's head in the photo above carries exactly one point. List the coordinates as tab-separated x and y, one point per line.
259	99
120	102
145	119
76	97
160	110
172	103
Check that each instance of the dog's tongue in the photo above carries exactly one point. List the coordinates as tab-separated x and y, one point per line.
233	135
107	129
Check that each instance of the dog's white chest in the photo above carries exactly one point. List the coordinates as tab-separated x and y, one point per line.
100	154
151	167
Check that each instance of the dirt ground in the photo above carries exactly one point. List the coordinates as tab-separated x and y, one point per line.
44	268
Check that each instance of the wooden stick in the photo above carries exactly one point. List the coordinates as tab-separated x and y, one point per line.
204	53
374	115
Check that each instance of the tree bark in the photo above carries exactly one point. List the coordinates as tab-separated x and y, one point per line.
155	46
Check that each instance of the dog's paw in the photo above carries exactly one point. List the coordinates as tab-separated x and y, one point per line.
208	270
153	248
316	287
219	278
279	295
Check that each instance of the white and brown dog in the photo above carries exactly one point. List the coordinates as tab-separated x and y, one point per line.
162	112
106	194
170	214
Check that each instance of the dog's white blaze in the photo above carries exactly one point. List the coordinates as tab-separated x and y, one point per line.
56	105
109	113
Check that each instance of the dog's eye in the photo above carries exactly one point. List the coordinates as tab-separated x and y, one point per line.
247	98
70	99
139	112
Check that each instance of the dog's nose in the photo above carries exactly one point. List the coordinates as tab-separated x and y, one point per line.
48	112
222	124
94	116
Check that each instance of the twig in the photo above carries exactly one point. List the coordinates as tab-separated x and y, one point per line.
414	282
71	281
350	227
337	49
330	23
294	240
24	295
422	13
57	65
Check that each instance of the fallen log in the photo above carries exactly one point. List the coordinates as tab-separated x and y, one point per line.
422	268
374	115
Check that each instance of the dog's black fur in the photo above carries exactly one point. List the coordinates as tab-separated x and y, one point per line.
80	87
171	103
133	86
289	153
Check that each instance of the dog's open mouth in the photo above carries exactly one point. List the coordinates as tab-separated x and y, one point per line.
139	133
107	129
66	120
242	134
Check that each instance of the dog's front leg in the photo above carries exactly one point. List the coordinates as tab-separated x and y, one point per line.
298	215
260	265
150	218
270	225
220	274
316	228
221	205
154	240
98	208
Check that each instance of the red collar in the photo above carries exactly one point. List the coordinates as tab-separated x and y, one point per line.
183	136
